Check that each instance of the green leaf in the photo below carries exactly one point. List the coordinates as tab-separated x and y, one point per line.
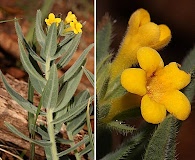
83	95
89	127
70	51
68	90
126	147
42	143
63	141
29	67
102	81
115	90
68	38
83	141
163	142
41	132
50	93
87	149
76	122
51	41
89	75
72	113
58	114
67	48
188	64
28	48
79	62
120	127
103	41
18	98
39	29
80	120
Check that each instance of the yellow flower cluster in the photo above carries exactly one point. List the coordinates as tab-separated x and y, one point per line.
70	20
158	85
75	26
153	86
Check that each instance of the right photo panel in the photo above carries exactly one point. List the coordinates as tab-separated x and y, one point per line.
145	80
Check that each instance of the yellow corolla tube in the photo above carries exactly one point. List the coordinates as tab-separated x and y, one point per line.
141	32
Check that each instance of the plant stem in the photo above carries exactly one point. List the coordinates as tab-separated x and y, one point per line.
50	128
49	115
31	120
70	136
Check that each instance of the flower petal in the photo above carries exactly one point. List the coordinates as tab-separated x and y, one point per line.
148	34
134	80
171	77
149	60
51	16
164	39
177	104
137	19
151	111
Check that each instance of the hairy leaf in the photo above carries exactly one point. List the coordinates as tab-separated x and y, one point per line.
163	142
79	62
18	98
50	93
39	30
42	143
103	41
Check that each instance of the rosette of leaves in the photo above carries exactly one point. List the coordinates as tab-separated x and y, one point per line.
58	102
148	141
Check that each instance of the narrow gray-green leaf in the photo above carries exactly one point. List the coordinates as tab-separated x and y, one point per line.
42	143
89	75
39	29
163	142
91	140
28	65
120	127
188	64
87	149
68	90
83	95
79	62
70	51
18	98
51	41
83	141
125	148
63	141
22	39
72	113
50	93
76	122
103	41
36	84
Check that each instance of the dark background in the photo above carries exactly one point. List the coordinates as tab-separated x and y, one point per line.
179	16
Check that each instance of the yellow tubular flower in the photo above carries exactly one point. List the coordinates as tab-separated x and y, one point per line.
140	33
70	17
128	101
51	19
158	85
75	26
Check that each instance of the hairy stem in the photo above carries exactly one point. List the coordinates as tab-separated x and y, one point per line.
50	128
70	136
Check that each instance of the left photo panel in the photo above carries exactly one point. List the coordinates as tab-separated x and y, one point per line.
47	80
